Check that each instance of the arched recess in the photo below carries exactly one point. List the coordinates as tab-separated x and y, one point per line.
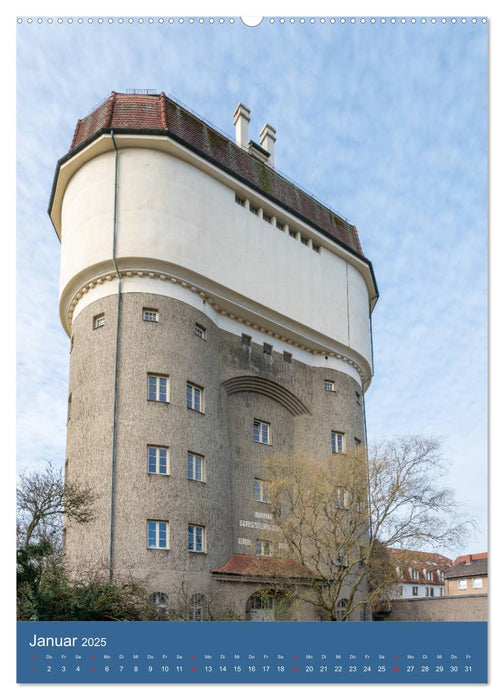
266	387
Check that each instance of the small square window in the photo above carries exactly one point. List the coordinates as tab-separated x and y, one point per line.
478	583
316	247
337	442
98	321
263	548
287	356
194	397
246	340
261	491
292	233
195	467
200	331
267	349
239	201
261	432
304	240
196	539
329	385
280	225
254	210
462	584
266	218
157	460
157	388
157	534
150	315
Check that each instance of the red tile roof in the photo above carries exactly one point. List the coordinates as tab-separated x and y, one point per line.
421	562
249	565
160	114
468	558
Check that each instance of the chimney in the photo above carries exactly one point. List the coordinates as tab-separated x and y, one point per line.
241	122
267	139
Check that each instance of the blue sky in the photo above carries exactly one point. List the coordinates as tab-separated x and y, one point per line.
385	123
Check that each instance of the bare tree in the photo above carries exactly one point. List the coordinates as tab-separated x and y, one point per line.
43	499
337	518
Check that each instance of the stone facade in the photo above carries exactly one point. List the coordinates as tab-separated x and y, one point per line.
223	434
471	608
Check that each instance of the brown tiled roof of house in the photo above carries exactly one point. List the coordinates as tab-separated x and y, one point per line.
160	114
469	565
249	565
467	558
424	563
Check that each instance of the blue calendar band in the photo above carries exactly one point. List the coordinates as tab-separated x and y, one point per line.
245	652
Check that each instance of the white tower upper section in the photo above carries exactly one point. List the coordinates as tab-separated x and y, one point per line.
189	214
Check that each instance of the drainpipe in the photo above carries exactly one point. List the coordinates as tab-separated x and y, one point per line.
116	368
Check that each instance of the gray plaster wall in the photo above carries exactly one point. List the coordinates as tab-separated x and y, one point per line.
223	433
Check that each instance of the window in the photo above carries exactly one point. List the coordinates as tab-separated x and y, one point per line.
196	538
316	247
358	398
441	592
267	349
337	442
329	385
304	240
292	233
432	592
69	407
341	500
195	397
267	218
462	584
478	583
414	590
239	201
261	491
287	356
197	604
157	388
246	340
98	321
195	467
160	600
254	210
341	608
414	574
280	225
150	315
157	460
200	331
157	534
427	591
341	557
261	432
441	575
263	548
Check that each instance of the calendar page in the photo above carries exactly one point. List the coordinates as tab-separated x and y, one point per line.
252	322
